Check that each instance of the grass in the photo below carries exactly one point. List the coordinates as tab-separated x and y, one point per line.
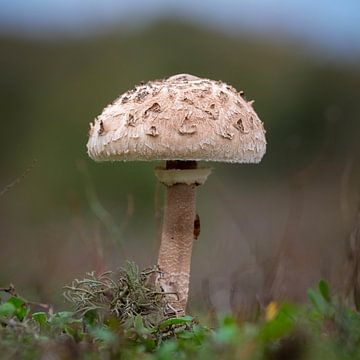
122	316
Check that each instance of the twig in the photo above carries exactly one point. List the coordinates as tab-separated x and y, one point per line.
102	214
11	290
18	179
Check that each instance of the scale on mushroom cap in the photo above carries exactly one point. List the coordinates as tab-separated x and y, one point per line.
182	119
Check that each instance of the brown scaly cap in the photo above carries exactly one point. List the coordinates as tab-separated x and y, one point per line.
180	118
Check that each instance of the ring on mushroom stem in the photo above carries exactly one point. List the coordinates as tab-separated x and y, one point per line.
182	119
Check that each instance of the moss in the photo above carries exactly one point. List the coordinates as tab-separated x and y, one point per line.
124	294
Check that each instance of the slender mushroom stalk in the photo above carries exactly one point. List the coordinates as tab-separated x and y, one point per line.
182	119
181	179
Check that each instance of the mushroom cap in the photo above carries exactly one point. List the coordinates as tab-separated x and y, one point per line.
183	117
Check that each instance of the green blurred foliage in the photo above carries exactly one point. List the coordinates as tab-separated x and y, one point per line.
51	89
280	331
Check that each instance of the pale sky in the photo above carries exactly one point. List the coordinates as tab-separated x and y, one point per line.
331	24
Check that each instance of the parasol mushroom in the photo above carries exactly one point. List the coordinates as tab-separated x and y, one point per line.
182	119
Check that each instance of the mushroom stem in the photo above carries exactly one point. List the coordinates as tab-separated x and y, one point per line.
181	179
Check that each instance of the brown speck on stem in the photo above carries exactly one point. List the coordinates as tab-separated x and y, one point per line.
196	227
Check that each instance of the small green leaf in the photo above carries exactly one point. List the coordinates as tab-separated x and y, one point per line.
228	321
187	335
63	318
323	307
90	317
324	290
64	314
281	325
227	334
40	318
138	323
176	321
16	301
139	326
167	350
149	343
21	308
316	300
275	329
103	334
75	330
7	310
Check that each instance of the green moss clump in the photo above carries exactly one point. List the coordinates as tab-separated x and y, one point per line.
124	294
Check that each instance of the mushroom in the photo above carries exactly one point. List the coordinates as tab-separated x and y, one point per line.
182	119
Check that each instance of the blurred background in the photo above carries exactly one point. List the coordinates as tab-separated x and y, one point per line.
267	231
